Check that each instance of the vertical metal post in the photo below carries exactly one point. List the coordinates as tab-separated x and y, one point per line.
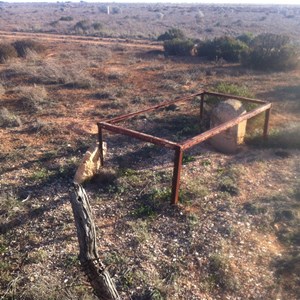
201	106
266	125
100	140
176	175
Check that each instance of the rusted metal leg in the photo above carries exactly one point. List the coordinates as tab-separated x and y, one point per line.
201	106
266	125
176	175
100	140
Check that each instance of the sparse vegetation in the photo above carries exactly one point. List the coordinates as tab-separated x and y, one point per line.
231	89
81	26
8	119
23	46
7	52
2	90
287	137
222	275
33	98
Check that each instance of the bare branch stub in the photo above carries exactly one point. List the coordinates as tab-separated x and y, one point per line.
98	276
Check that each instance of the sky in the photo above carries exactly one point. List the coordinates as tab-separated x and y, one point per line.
282	2
295	2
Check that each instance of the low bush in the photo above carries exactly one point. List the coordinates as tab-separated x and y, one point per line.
23	46
67	18
73	74
8	119
236	90
2	90
33	98
45	128
225	47
246	38
115	10
97	26
284	138
7	51
271	52
178	47
231	89
172	34
81	26
102	9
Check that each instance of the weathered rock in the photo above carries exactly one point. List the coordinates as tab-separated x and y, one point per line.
90	164
229	140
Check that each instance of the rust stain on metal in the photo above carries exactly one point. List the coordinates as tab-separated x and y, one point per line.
180	147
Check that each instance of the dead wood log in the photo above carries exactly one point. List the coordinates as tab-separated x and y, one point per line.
98	276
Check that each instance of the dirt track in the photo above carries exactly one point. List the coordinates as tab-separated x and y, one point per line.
79	39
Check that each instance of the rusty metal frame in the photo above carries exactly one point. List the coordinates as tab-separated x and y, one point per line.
179	148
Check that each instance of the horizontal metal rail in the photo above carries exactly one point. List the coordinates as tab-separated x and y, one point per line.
235	97
218	129
138	135
133	114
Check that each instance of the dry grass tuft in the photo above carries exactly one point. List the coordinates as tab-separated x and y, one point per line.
8	119
33	98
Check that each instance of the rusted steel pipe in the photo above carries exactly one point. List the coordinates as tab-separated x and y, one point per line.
218	129
236	97
100	140
266	125
141	136
133	114
176	175
201	106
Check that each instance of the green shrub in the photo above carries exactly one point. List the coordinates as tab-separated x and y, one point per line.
172	34
225	47
233	89
102	9
81	26
271	52
97	26
115	10
236	90
246	38
68	18
7	51
284	138
178	47
23	46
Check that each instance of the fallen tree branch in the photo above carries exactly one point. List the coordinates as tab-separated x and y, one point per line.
98	276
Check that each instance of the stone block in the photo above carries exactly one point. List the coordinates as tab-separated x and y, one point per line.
229	140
